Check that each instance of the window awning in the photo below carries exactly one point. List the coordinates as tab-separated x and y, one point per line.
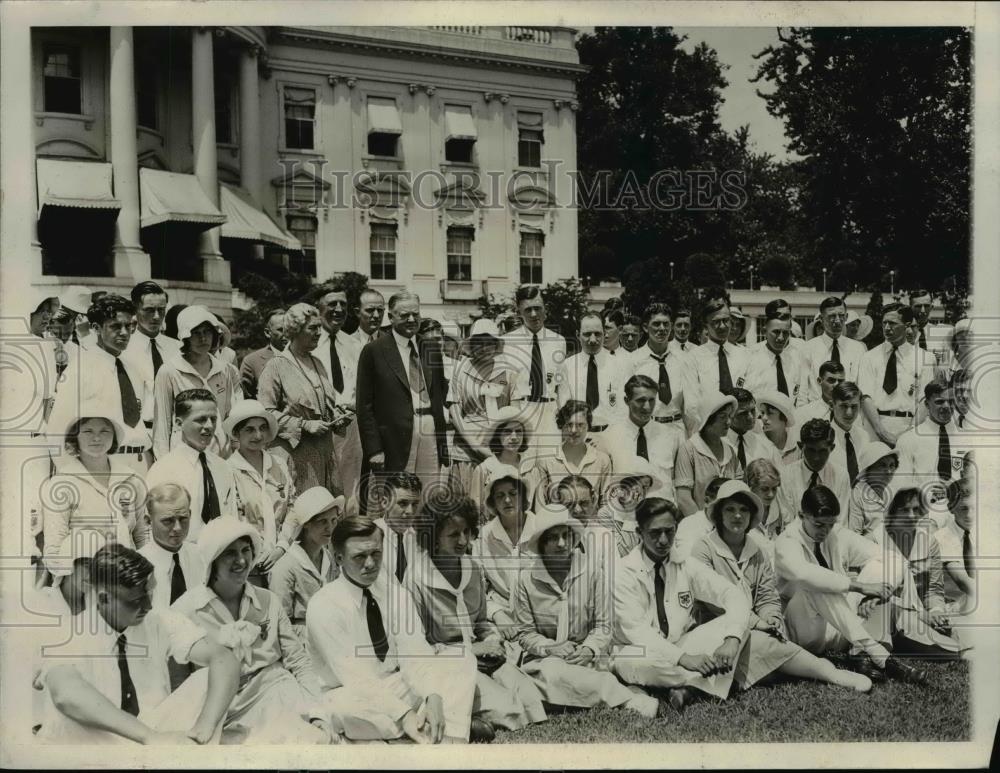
383	116
245	221
458	123
80	184
168	197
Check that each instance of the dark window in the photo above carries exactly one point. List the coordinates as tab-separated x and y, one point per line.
383	251
460	254
304	229
459	151
62	80
300	118
529	147
381	144
146	83
223	109
531	258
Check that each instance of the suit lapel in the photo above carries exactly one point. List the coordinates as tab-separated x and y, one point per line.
392	357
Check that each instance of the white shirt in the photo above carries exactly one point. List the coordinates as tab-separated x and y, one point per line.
90	386
182	467
611	377
914	370
675	346
705	363
349	350
816	409
817	350
860	437
619	442
762	372
140	351
918	451
643	361
755	446
390	545
403	347
362	337
517	345
795	479
192	567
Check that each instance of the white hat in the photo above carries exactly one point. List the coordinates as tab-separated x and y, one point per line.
191	317
450	329
218	534
548	516
638	467
76	298
96	411
739	489
870	453
309	504
484	327
737	312
778	400
32	297
249	409
710	404
796	329
864	328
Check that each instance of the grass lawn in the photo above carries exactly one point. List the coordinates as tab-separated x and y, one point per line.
794	711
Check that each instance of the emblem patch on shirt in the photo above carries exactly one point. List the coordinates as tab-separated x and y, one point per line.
740	381
956	463
684	599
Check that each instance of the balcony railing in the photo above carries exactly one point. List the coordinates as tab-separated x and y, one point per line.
519	34
461	30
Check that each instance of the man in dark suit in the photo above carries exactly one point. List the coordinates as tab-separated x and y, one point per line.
400	398
253	363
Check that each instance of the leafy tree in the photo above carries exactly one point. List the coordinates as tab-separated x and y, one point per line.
881	120
269	286
844	275
776	270
599	262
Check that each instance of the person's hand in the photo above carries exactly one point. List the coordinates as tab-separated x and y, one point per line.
562	650
703	664
169	739
435	718
201	734
315	427
867	606
879	590
725	655
377	461
489	649
412	724
938	620
581	656
886	437
324	728
270	559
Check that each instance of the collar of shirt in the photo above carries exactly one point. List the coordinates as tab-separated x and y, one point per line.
239	462
805	473
159	556
218	366
464	369
904	350
494	530
921	546
932	426
274	349
73	467
402	343
645	353
355	594
719	546
189	455
699	445
298	552
541	576
203	596
647	563
589	456
428	574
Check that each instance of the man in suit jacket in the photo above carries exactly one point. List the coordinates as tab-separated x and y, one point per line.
400	398
253	363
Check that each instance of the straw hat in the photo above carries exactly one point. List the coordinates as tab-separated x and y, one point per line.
309	504
548	517
710	404
739	490
193	316
248	409
218	534
780	401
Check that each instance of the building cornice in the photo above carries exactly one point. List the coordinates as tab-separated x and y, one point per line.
326	39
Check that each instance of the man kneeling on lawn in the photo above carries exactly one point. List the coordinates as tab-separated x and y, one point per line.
107	679
657	643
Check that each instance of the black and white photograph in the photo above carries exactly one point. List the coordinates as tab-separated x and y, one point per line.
617	389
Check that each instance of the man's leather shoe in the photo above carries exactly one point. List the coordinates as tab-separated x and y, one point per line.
904	672
864	665
678	698
481	731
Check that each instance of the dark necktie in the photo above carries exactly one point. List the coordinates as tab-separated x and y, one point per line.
376	627
593	393
779	372
130	701
660	586
663	381
416	373
336	372
537	376
130	405
641	449
967	553
741	452
813	480
961	419
725	377
922	340
683	346
210	501
889	380
177	584
818	552
157	359
944	454
852	458
400	558
835	352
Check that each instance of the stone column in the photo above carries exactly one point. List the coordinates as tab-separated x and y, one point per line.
215	269
130	260
250	173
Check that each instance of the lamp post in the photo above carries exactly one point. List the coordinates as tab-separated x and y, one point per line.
824	279
892	282
752	267
671	271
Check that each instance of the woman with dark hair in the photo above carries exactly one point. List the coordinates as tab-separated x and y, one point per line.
508	438
170	319
575	456
194	368
449	590
734	551
94	497
278	697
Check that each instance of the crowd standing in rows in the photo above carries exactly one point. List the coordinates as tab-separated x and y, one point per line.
396	534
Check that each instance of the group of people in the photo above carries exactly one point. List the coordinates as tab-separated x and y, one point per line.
396	534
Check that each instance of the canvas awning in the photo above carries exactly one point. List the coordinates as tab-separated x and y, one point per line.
80	184
245	221
169	197
383	116
458	123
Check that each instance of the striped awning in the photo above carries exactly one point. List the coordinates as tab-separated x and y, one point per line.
245	221
169	197
80	184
